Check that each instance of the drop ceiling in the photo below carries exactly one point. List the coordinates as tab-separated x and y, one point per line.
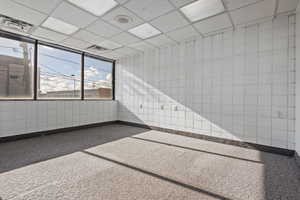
166	16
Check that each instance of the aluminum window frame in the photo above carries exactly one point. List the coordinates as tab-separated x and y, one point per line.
20	38
80	66
112	81
36	42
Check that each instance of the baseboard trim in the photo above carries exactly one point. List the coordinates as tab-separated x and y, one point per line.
264	148
134	124
248	145
53	131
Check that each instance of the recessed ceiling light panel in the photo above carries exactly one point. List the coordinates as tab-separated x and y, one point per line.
97	7
59	26
144	31
202	9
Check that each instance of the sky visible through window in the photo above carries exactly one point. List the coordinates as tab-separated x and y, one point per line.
97	73
60	70
11	48
59	61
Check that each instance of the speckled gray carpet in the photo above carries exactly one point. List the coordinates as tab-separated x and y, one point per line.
122	162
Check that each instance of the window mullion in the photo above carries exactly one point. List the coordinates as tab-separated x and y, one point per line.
82	76
35	68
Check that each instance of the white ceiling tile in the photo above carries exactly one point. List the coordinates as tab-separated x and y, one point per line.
110	44
73	15
111	18
14	10
126	51
125	38
149	9
112	55
180	3
121	1
170	21
44	6
183	33
234	4
287	5
214	23
142	46
253	12
88	37
75	43
49	35
103	29
160	40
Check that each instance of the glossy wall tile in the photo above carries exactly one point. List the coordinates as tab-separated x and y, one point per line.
237	85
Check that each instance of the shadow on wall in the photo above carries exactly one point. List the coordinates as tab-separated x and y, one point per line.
144	103
233	96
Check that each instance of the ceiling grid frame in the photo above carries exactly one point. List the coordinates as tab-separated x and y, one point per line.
143	42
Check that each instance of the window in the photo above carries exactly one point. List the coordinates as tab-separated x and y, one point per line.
33	70
16	69
97	78
59	73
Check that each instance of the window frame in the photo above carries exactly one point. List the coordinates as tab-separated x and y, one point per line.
112	81
17	37
62	49
20	38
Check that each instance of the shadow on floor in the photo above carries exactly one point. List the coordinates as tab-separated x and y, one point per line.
198	150
281	177
164	178
280	174
20	153
277	176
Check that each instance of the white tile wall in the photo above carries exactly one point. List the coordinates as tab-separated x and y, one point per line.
238	85
21	117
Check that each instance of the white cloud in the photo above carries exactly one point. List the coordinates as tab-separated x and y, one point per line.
90	72
58	83
62	83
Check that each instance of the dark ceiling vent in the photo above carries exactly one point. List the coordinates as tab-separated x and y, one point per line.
15	24
97	48
123	19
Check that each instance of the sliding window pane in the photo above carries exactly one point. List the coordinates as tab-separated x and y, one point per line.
97	78
16	69
59	73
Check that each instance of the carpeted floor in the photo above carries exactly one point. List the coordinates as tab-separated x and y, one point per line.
122	162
